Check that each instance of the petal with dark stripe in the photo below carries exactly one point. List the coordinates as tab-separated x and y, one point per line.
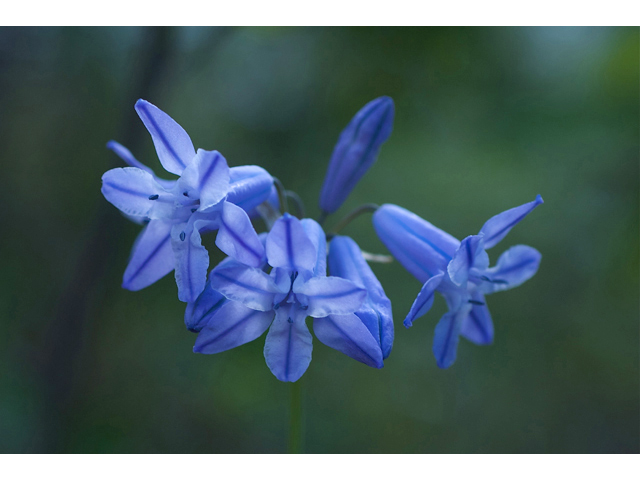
206	178
469	255
289	247
237	237
173	145
356	151
514	267
249	186
477	327
423	302
423	249
447	336
192	260
330	296
250	286
151	256
288	347
230	326
347	334
131	190
497	227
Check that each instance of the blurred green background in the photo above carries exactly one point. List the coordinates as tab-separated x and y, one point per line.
485	120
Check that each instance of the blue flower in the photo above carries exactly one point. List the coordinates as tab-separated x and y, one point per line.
275	287
355	152
346	261
176	212
458	270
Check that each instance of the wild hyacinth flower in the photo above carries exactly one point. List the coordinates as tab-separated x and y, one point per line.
177	211
295	287
355	152
458	270
346	261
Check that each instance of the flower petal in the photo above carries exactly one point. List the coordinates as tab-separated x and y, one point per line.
469	255
514	267
497	227
346	261
237	237
347	334
356	150
192	260
198	313
289	247
477	326
319	239
249	186
130	160
421	248
288	346
173	145
330	296
446	337
132	191
231	326
125	154
151	256
206	178
423	302
250	286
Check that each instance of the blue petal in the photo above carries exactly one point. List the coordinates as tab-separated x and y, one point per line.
423	302
346	261
330	295
497	227
130	160
289	247
288	346
514	267
250	286
477	326
192	260
231	326
446	337
249	186
356	150
206	178
151	257
421	248
237	237
319	239
173	145
198	313
132	191
126	155
469	255
347	334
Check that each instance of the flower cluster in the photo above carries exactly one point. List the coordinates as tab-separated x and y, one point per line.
276	279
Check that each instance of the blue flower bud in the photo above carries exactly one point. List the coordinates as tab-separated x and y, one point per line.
355	152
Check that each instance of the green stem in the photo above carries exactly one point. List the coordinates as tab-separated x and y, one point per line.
295	420
282	196
366	208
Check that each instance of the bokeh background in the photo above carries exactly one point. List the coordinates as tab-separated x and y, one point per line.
485	120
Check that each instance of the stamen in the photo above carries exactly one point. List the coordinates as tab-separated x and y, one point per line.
154	197
193	210
290	320
185	193
476	302
183	235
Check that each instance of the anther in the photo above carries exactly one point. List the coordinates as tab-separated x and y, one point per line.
476	302
183	236
193	210
185	193
290	320
154	197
